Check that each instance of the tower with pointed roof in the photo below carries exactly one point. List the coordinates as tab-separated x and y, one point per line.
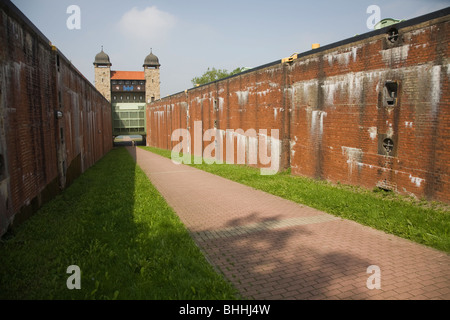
102	67
152	82
128	92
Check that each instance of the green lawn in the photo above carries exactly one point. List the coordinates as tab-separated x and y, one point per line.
421	221
117	228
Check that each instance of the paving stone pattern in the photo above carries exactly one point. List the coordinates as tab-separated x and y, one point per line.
272	248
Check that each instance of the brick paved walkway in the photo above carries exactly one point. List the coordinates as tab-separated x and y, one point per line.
271	248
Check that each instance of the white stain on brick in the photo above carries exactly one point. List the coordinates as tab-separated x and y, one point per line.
390	131
314	121
263	93
435	88
418	32
17	66
329	58
417	181
395	55
373	133
308	85
242	97
273	85
354	157
354	53
307	61
292	143
343	58
350	83
159	115
322	115
221	101
329	88
248	145
317	117
199	100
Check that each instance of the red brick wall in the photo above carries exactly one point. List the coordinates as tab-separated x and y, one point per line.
338	118
42	154
251	101
329	106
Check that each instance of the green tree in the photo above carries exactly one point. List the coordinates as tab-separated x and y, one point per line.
214	74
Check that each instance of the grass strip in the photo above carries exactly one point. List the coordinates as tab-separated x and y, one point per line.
421	221
126	240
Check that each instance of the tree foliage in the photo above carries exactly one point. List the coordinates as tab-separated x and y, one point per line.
214	74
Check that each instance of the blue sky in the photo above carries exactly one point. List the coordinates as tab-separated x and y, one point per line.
190	36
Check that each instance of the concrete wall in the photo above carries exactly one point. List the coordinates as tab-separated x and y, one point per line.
330	107
41	154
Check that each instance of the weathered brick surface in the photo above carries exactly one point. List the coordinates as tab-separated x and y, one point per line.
338	112
329	107
41	154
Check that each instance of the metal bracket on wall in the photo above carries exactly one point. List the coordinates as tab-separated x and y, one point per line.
290	58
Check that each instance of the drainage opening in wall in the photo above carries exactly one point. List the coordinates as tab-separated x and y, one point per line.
382	187
387	145
390	92
392	39
392	35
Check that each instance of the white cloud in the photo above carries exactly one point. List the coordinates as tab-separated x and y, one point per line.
148	24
